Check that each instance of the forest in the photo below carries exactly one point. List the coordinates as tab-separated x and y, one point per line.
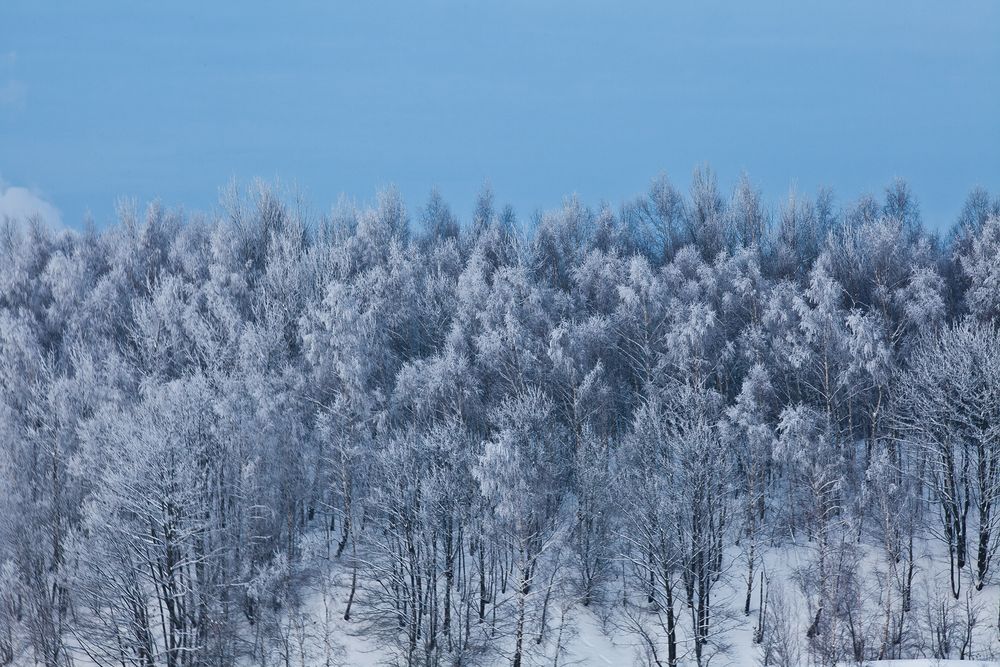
695	428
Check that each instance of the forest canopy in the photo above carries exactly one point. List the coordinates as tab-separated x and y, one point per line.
261	436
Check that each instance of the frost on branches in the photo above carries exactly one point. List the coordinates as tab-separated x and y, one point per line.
696	429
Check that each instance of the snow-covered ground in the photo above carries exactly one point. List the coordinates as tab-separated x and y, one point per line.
932	663
595	636
591	636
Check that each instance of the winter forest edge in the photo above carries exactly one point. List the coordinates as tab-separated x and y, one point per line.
694	429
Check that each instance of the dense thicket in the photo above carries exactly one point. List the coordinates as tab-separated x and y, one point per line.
221	436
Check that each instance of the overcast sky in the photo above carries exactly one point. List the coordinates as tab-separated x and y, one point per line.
100	100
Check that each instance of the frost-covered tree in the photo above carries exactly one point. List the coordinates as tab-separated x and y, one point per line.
522	475
235	437
948	406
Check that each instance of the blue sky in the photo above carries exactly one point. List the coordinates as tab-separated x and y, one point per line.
173	100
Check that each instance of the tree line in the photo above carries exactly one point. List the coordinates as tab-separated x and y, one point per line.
224	438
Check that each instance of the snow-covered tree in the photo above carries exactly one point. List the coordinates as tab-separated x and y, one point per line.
233	437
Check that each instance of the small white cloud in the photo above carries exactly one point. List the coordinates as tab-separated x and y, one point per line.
13	93
21	203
